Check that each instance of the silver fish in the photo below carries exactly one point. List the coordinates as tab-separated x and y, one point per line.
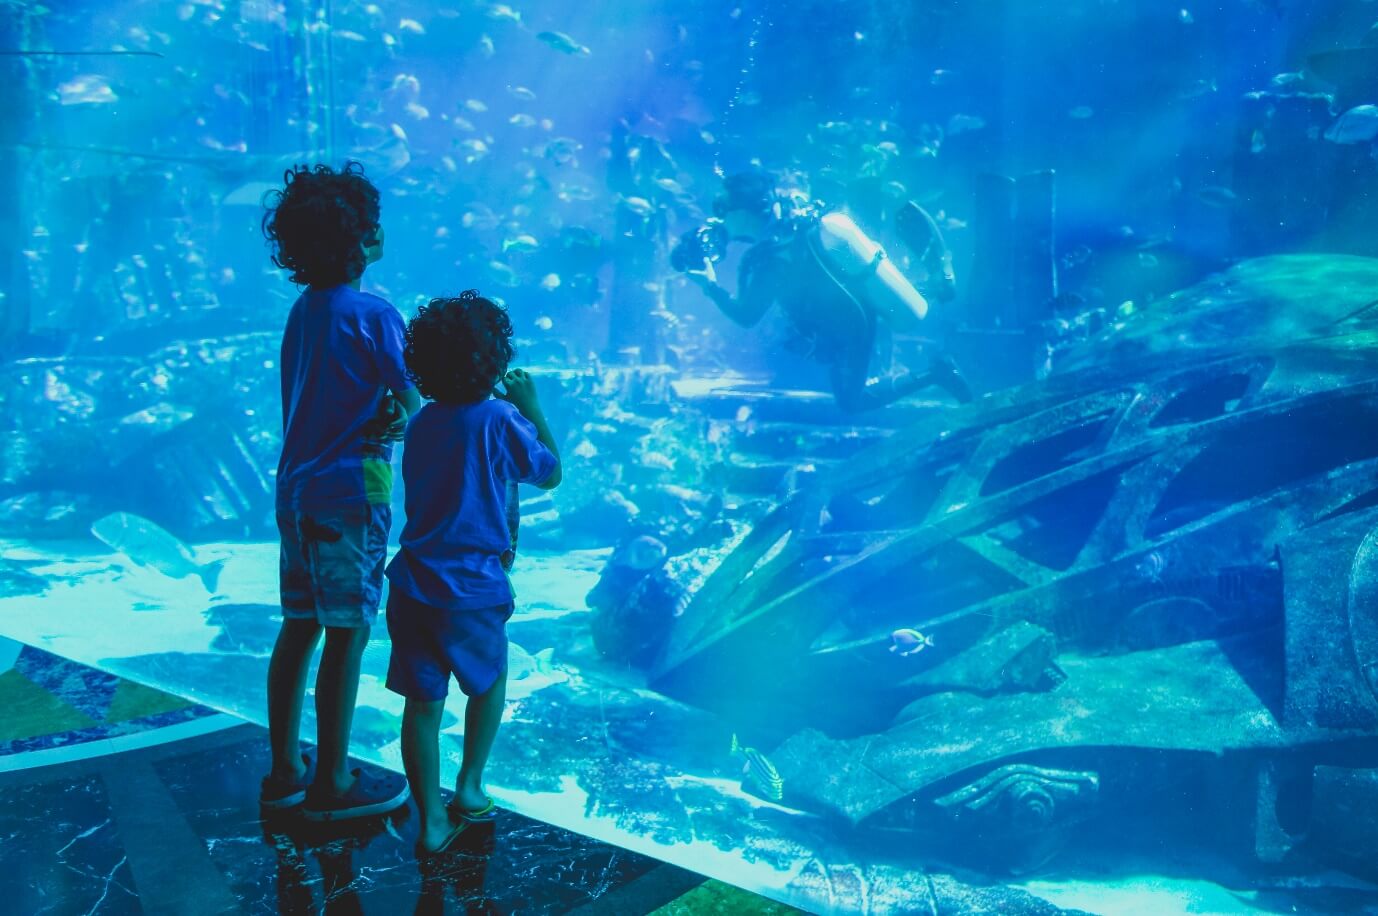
563	43
1357	125
147	544
521	243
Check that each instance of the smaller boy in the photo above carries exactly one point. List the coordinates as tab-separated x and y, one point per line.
450	598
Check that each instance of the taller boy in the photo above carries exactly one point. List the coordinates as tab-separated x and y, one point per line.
343	381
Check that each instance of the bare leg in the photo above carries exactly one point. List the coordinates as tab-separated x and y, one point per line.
337	688
421	759
287	671
482	716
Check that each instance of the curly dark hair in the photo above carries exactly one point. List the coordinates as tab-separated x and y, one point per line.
320	221
457	349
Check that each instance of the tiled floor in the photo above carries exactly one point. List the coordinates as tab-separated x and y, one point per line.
174	827
53	710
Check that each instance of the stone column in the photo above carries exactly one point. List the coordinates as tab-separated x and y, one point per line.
15	298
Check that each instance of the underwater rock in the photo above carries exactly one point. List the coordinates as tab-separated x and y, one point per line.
48	514
213	678
204	477
863	889
374	728
1185	698
633	604
601	521
1017	658
64	406
16	580
825	775
1265	302
1343	829
1020	814
1331	632
682	519
248	628
956	898
652	727
185	435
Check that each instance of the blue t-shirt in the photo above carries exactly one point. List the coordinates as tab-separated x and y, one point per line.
341	351
456	467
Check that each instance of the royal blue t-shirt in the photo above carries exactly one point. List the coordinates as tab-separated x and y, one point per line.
341	351
456	466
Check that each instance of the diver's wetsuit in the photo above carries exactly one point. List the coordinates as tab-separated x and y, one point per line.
836	330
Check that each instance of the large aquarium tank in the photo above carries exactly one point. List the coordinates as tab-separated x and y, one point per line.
969	412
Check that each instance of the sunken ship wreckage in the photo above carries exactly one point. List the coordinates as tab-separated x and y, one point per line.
1154	572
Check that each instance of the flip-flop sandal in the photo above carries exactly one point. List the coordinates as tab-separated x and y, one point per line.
487	813
443	847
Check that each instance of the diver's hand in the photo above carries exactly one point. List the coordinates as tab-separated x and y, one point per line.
521	393
704	278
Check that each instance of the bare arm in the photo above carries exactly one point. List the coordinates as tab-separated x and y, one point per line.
521	394
746	309
411	400
547	438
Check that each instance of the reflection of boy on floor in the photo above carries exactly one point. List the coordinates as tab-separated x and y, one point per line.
450	598
341	356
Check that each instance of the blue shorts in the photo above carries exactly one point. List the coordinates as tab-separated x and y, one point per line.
429	644
331	566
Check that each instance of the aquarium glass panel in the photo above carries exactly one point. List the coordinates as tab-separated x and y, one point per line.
965	414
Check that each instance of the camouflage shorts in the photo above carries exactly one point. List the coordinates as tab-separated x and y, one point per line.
331	566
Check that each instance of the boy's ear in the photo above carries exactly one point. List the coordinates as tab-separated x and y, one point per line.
372	247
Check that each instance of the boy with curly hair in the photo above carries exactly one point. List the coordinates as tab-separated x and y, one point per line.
450	598
345	397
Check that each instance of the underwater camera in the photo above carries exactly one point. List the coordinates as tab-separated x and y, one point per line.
706	243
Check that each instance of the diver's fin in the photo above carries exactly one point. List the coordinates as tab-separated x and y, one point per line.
736	748
543	658
210	574
943	373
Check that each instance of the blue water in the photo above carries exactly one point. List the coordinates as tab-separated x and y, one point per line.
1160	221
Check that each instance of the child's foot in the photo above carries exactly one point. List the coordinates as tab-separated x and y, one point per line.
472	805
372	792
436	840
279	792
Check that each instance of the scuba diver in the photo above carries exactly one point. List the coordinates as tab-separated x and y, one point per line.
835	284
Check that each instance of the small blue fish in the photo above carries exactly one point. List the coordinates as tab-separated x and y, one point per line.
907	641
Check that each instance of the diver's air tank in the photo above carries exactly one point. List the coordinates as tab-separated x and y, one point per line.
861	266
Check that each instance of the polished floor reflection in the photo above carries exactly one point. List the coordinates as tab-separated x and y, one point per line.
173	826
